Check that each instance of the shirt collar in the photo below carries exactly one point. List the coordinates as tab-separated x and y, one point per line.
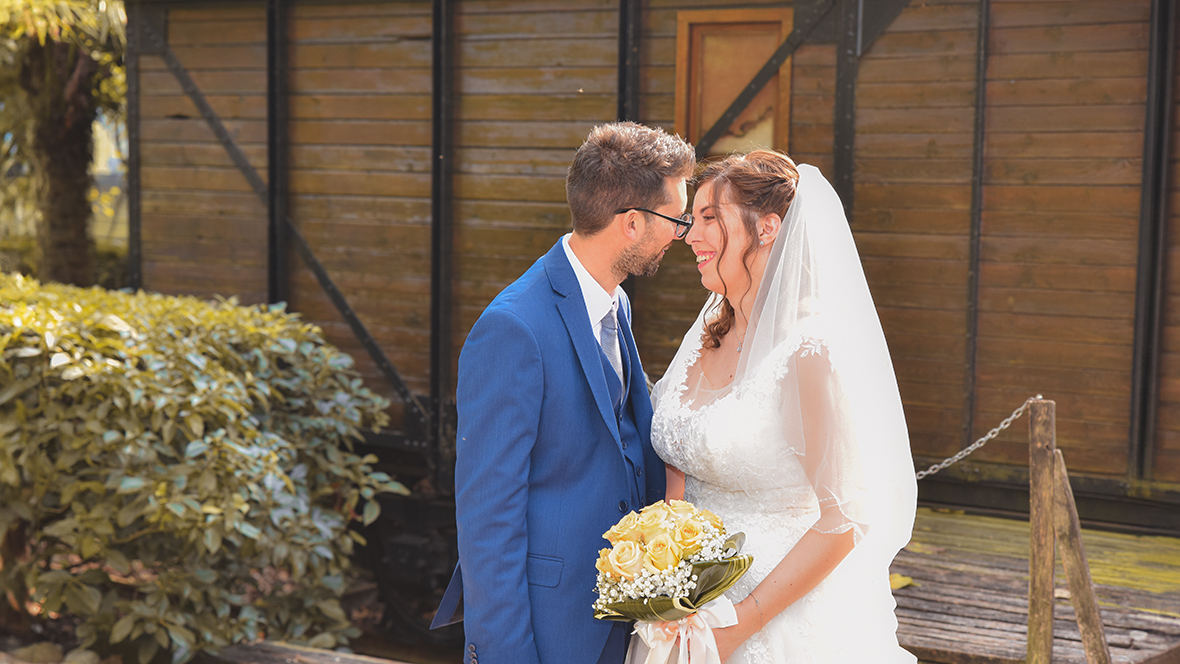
598	301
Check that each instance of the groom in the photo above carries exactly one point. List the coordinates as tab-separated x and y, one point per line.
554	417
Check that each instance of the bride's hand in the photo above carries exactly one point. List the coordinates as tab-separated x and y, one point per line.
730	638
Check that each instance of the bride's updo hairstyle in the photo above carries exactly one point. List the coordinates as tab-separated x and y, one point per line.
760	182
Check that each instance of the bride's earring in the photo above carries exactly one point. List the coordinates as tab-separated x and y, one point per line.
761	242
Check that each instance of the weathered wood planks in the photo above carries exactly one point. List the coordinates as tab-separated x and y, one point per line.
969	601
360	175
1063	143
1064	108
915	98
203	229
1066	171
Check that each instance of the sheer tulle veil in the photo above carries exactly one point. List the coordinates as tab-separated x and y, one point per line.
814	347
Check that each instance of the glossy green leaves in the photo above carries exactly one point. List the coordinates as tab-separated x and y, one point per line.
181	468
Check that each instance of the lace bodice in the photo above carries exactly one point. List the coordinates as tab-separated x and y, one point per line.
734	440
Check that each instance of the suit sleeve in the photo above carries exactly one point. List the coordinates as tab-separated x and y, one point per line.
499	402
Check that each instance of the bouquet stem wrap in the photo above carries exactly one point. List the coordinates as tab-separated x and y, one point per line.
695	632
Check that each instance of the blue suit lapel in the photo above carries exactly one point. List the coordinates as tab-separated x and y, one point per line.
572	308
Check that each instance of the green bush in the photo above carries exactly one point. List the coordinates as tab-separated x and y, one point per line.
178	469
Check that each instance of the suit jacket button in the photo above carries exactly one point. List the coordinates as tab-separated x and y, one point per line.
623	506
624	444
471	647
639	472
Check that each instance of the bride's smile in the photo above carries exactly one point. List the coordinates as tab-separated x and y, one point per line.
730	259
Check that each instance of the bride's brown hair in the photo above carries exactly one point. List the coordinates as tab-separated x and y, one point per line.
760	182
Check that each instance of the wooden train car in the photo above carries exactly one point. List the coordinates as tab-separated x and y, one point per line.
386	167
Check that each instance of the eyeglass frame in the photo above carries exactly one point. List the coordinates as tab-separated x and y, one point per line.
685	220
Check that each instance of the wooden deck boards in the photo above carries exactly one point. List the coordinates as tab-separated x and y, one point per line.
968	603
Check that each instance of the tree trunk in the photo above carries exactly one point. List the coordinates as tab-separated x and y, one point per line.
56	77
13	548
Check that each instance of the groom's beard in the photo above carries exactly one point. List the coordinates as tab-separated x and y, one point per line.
640	259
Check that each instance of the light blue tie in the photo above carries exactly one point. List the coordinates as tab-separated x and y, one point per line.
608	338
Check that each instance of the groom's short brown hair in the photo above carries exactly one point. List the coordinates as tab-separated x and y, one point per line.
622	165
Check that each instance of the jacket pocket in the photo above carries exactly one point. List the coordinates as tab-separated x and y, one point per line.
544	570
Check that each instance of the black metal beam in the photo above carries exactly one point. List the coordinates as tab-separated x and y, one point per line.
1153	215
277	144
799	35
849	16
630	32
442	242
134	189
975	234
382	362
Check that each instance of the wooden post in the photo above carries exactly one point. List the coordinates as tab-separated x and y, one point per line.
1042	443
1073	557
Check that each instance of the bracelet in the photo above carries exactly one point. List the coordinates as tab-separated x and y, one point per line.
761	620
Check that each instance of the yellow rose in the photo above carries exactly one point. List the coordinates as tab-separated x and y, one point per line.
688	536
624	530
682	508
603	562
662	553
655	520
713	519
626	559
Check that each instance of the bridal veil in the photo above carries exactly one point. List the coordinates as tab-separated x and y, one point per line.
815	354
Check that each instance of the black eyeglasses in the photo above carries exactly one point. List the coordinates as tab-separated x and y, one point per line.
683	224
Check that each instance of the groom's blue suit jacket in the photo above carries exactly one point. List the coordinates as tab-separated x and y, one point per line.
543	470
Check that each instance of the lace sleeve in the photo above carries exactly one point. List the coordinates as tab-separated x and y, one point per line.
830	453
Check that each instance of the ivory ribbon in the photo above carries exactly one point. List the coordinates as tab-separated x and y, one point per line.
695	632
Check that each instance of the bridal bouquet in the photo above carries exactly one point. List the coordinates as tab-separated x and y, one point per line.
668	568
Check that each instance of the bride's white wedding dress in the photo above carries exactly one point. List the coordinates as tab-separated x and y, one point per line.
809	435
738	466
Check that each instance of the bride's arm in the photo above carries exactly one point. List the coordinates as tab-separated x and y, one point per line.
675	483
826	434
801	570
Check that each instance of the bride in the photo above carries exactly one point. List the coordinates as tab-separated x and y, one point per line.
780	413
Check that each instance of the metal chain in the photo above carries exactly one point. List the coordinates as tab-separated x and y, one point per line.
981	442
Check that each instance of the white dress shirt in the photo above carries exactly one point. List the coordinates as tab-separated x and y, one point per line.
598	301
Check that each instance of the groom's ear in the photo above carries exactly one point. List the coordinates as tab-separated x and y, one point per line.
629	224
